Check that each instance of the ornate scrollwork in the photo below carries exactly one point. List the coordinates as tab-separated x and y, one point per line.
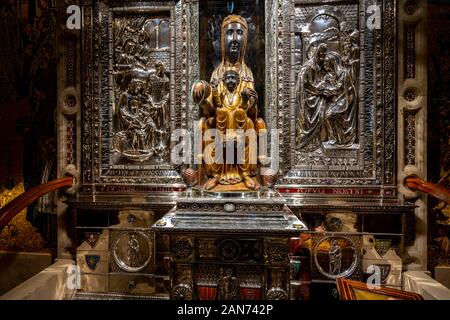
208	274
229	250
182	292
230	207
182	248
207	248
277	287
276	251
277	294
410	137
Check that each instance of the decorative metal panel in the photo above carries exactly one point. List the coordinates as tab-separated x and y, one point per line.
123	146
335	103
136	60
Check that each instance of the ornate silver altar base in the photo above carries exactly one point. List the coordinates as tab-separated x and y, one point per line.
230	248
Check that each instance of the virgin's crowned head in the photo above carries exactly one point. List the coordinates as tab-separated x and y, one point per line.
234	38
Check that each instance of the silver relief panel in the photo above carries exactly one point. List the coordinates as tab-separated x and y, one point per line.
340	126
137	67
141	87
327	84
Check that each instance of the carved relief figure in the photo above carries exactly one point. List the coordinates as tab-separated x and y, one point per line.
326	90
350	53
133	251
158	86
135	121
311	100
335	257
142	87
229	286
229	101
340	96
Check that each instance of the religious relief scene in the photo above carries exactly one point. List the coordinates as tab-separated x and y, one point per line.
225	150
141	87
328	80
332	114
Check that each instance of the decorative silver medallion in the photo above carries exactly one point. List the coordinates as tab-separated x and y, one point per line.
132	251
336	257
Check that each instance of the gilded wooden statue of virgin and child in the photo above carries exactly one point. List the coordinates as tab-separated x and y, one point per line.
228	103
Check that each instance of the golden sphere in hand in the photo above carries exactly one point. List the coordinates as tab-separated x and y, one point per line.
200	91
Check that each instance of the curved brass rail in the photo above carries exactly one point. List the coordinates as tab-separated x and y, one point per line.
435	190
10	210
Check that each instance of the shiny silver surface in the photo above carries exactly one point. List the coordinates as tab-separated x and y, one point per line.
327	84
134	56
263	215
140	59
336	256
132	251
354	146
